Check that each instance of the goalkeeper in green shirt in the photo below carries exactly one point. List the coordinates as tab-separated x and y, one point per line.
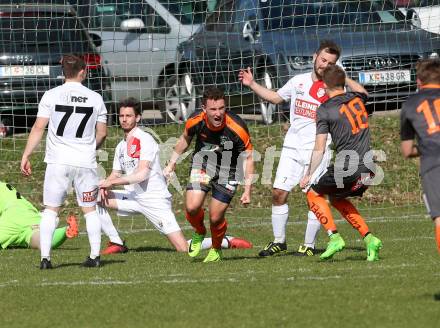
20	222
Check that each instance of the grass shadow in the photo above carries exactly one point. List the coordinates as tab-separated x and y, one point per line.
151	249
437	297
103	263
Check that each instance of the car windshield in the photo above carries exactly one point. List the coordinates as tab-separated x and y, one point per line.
284	14
37	31
190	12
416	3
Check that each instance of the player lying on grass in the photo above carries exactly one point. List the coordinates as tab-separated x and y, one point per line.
146	191
345	118
20	222
420	119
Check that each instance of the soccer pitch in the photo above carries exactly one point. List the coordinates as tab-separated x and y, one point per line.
153	286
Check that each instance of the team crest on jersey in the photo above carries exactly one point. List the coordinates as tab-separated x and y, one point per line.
317	91
90	196
134	147
321	92
299	90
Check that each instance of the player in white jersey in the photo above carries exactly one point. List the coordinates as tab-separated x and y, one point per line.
305	92
77	127
146	191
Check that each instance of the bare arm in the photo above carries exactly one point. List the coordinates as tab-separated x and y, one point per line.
409	149
101	133
32	143
115	179
355	86
247	79
182	145
249	169
317	155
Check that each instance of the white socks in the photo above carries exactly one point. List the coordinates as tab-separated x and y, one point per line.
280	216
107	225
48	224
93	225
313	226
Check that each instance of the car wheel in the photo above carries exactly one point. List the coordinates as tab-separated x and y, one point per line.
180	99
269	111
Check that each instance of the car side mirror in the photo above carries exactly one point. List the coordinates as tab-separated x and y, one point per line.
413	17
96	39
248	32
132	24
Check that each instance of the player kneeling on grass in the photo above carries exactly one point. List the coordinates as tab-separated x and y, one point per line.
343	116
20	222
420	118
146	191
223	149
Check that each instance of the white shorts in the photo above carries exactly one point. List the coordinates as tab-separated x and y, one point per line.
157	210
59	179
292	166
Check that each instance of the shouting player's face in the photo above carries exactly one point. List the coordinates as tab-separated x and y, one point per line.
215	111
128	118
321	61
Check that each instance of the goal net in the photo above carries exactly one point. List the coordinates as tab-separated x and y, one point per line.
166	52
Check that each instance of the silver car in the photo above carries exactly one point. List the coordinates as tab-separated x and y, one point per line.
139	41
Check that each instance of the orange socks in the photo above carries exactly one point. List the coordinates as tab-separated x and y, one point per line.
351	214
197	221
437	236
217	233
319	206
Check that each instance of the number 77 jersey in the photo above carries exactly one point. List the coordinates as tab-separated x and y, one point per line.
420	118
73	111
346	119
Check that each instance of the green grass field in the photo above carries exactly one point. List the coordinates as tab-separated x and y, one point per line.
153	286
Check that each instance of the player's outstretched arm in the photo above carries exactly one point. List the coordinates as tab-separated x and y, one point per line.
355	86
34	139
246	78
249	169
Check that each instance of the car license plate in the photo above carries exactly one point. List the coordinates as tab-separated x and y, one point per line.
385	77
24	70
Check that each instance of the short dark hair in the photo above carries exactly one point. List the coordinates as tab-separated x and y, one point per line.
212	93
329	47
130	102
72	65
334	77
428	71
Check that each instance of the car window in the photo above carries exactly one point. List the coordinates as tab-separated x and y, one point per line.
42	31
221	19
416	3
190	12
107	15
281	14
245	11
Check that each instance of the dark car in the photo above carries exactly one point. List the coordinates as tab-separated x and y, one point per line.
33	38
278	37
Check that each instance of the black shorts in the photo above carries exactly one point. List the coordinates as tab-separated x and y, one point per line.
431	191
350	186
223	192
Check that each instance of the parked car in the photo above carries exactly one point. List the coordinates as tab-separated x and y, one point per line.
139	40
34	37
426	11
277	38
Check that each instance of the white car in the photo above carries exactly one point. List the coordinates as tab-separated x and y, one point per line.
139	41
427	12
